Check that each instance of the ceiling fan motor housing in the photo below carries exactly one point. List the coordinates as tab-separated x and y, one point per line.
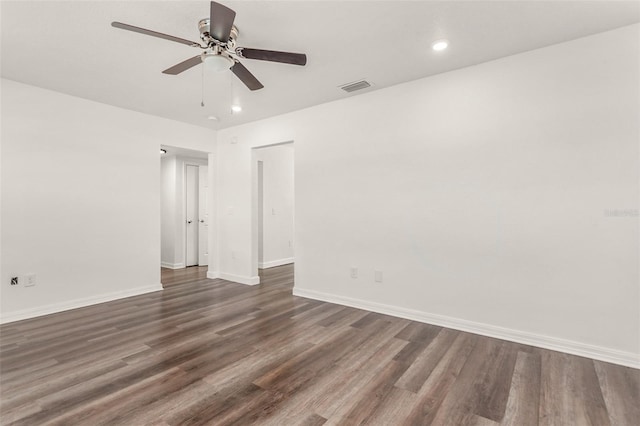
205	28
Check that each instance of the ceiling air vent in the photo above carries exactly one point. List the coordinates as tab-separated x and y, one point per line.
356	85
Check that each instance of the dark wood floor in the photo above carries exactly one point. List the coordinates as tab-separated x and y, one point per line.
214	352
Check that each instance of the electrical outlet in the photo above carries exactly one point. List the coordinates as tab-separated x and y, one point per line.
378	276
14	280
30	280
354	272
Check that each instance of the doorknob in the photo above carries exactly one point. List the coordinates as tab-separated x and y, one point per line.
189	221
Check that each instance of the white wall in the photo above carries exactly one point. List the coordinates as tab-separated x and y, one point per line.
277	209
482	194
234	179
80	198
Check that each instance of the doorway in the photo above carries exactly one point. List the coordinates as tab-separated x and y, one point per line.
273	203
185	208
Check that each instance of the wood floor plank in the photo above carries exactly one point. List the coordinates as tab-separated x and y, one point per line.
323	333
556	406
393	409
477	420
334	318
218	406
116	407
588	393
461	400
570	391
420	369
419	333
212	352
343	392
58	380
311	420
439	383
15	415
492	390
524	395
374	395
621	391
334	384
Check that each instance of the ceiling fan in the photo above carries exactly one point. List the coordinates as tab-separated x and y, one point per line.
219	35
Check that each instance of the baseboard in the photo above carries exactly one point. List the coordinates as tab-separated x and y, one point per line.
75	304
274	263
213	275
613	356
238	278
172	265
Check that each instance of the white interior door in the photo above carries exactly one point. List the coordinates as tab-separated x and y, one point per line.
203	214
191	202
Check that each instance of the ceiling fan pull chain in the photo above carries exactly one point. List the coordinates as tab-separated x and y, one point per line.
231	97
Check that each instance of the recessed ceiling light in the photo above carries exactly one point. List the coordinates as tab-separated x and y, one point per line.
212	118
440	45
236	108
163	151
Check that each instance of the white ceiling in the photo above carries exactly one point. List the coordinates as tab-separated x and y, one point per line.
70	47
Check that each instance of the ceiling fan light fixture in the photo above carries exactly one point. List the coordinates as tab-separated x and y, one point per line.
440	45
217	62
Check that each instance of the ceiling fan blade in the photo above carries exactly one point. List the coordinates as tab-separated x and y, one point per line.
183	66
153	33
220	21
273	56
246	77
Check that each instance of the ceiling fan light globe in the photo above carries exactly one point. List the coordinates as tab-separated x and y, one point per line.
216	62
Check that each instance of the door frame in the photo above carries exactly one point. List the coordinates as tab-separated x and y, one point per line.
177	150
254	203
260	207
